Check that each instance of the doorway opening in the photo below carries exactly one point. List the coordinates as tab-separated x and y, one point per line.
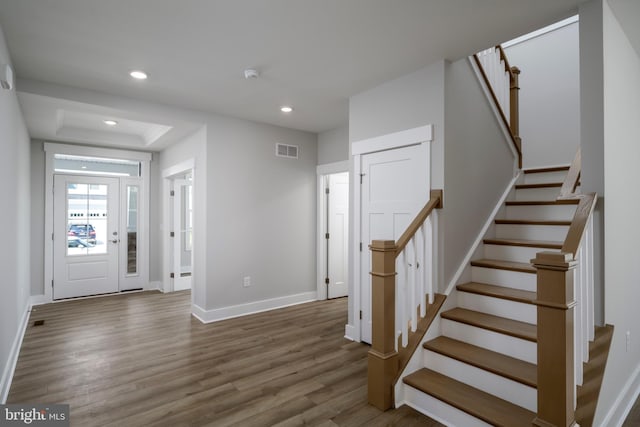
333	230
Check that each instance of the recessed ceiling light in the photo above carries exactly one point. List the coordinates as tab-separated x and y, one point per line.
137	74
110	122
286	109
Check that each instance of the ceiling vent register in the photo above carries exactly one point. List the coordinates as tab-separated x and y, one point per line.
289	151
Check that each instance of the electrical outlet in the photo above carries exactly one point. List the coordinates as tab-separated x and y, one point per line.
628	340
246	281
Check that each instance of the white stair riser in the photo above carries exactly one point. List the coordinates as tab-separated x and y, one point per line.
512	253
501	343
501	387
440	411
498	307
545	193
541	212
544	177
507	278
532	232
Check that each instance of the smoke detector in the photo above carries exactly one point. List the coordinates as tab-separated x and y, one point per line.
250	73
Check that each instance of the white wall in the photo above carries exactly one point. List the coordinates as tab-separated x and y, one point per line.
479	164
549	96
37	168
622	230
333	145
14	216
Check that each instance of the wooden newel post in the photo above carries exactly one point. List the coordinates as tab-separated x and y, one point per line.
383	357
556	302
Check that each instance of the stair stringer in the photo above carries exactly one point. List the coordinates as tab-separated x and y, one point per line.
463	273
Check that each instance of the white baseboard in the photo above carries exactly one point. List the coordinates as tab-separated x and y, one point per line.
350	333
623	404
38	300
10	367
217	314
152	286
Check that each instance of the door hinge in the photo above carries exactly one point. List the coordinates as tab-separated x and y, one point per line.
326	190
172	234
172	193
326	280
361	176
360	314
326	235
360	246
52	283
171	275
51	236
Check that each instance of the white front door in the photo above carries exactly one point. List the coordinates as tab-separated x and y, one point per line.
338	226
86	240
182	234
395	186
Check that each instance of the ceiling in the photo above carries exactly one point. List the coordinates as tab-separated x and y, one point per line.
311	54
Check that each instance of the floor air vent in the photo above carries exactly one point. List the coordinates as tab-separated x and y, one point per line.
38	323
284	150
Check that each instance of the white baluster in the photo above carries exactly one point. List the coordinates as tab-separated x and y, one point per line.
420	264
591	323
411	308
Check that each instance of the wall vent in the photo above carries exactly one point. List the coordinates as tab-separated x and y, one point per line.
284	150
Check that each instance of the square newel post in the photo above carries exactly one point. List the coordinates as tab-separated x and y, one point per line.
555	302
383	357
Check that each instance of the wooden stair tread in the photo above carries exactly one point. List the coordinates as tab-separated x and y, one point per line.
509	367
546	244
540	185
511	294
542	202
550	169
469	399
514	328
522	267
530	222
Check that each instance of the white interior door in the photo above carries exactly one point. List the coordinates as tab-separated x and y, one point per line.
86	240
395	186
183	233
338	226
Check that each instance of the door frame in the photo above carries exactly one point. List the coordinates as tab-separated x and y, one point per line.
322	171
51	149
168	175
418	135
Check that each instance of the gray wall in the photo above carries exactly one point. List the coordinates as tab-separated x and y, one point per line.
549	96
261	211
14	216
37	169
478	164
333	145
622	230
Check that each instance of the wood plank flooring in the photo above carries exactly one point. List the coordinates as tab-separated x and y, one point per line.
141	360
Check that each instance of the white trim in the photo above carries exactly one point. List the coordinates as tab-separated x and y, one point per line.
14	352
393	140
541	31
624	402
350	333
217	314
179	168
82	150
38	300
487	92
467	259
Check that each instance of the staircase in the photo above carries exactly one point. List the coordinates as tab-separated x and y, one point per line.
482	369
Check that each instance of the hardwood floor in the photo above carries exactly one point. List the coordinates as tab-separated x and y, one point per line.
142	360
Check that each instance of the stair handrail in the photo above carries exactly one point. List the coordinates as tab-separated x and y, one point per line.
571	181
398	311
502	81
565	310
